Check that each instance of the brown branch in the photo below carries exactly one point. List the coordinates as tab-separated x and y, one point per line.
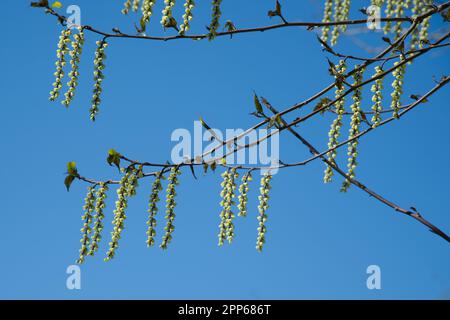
285	24
415	215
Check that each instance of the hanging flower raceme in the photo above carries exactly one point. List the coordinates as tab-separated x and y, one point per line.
338	11
335	129
216	13
416	10
167	19
126	7
425	25
226	227
170	206
147	12
345	13
243	194
135	6
187	16
354	128
89	207
99	66
262	208
100	206
327	14
389	12
123	192
399	12
397	86
153	209
75	53
61	52
377	97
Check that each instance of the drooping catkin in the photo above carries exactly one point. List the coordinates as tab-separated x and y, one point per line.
75	53
243	194
355	124
126	7
377	97
153	209
416	10
89	207
135	6
399	12
226	226
397	86
338	6
61	52
425	25
345	13
99	66
147	11
167	19
123	192
327	14
229	216
170	206
215	21
335	129
187	16
262	208
100	206
389	12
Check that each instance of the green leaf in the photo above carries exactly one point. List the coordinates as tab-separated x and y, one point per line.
258	106
68	181
229	25
57	4
417	97
72	168
204	124
113	158
278	8
322	103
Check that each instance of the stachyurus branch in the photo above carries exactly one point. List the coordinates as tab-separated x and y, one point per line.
133	170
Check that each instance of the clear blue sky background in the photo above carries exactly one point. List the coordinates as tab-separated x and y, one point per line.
319	242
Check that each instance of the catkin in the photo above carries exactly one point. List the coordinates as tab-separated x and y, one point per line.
75	53
216	14
147	11
170	206
226	226
377	97
327	14
335	129
123	192
187	16
61	52
153	209
243	194
89	207
354	128
99	66
262	208
100	206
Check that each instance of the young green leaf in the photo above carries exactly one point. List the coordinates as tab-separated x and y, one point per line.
258	106
72	168
113	158
68	181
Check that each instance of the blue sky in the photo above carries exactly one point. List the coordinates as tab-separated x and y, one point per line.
319	242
